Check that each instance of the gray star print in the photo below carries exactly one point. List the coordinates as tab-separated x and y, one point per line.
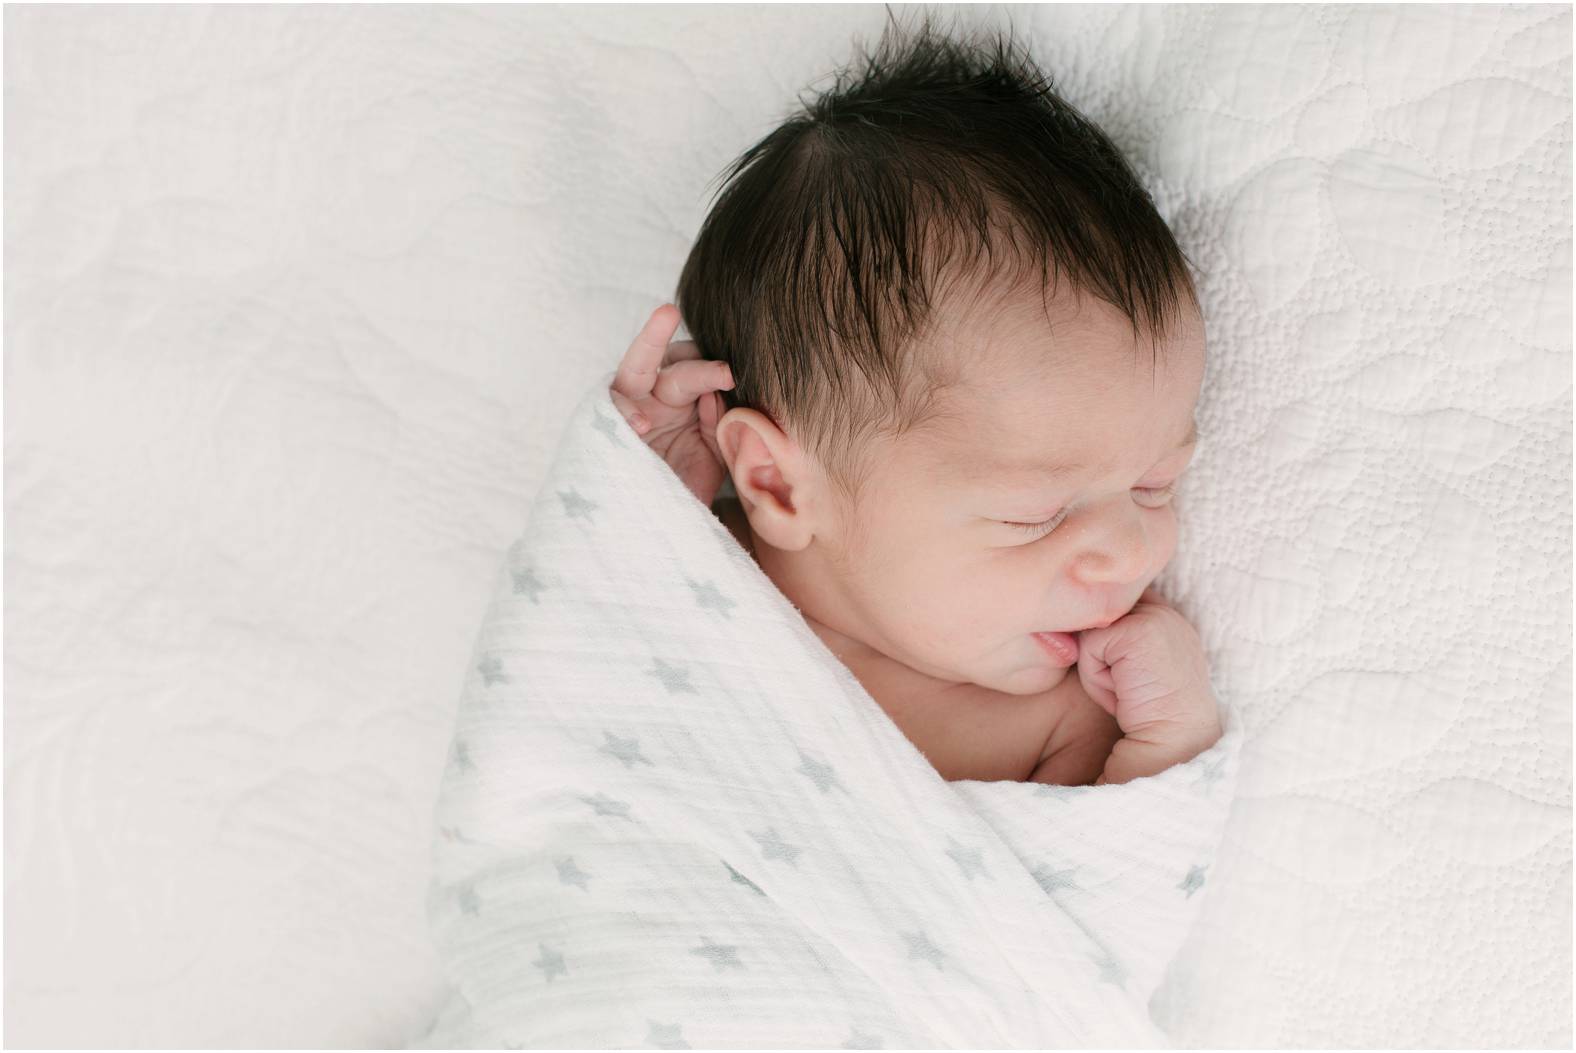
821	774
919	946
461	758
626	750
1054	880
709	598
665	1036
605	425
674	678
1212	772
967	859
575	506
453	833
491	668
470	903
569	873
858	1040
741	879
525	581
1111	970
606	805
721	955
773	846
1194	881
551	963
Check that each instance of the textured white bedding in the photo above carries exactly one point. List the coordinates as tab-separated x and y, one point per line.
289	298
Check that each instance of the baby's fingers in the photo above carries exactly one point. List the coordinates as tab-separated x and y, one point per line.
682	383
638	370
680	349
636	419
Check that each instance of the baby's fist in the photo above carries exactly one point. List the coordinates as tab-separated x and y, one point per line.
1147	670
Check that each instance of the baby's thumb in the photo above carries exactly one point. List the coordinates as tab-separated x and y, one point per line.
1094	674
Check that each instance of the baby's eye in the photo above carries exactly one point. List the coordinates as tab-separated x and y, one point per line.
1159	495
1042	528
1148	496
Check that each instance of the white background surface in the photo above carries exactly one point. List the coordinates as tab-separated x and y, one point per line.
298	298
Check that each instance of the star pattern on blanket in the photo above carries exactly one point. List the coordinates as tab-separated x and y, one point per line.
665	1036
679	671
551	963
707	597
920	947
675	678
721	955
606	805
773	846
1111	970
626	750
525	581
859	1040
575	506
491	668
741	879
454	833
1054	880
606	426
819	773
569	873
820	962
967	859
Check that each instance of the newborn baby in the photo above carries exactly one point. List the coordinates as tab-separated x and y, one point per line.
959	470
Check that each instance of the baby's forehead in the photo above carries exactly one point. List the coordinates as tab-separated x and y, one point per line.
1053	417
1021	379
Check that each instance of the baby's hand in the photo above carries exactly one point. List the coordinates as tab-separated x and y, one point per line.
1147	670
668	394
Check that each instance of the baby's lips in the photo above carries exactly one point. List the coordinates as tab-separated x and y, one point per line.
1062	647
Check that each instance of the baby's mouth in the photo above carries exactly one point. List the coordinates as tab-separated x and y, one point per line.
1062	647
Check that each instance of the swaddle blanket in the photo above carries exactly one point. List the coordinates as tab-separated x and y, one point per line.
672	818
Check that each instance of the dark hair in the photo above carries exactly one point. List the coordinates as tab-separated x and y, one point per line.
816	273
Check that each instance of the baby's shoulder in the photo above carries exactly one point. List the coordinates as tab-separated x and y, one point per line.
1081	739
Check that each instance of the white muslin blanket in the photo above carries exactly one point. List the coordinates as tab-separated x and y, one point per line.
672	818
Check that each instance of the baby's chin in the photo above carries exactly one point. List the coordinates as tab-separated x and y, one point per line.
1032	679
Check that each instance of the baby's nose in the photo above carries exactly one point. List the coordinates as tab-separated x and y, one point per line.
1120	556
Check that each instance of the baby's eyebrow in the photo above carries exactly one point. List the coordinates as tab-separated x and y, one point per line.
1054	470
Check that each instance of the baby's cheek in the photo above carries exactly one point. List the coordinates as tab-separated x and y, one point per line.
941	608
1169	546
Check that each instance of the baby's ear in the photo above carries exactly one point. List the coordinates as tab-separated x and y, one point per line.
769	475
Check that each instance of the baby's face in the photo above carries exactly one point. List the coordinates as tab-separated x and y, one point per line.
1067	428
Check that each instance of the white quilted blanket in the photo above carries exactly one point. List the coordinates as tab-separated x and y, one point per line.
664	785
299	297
